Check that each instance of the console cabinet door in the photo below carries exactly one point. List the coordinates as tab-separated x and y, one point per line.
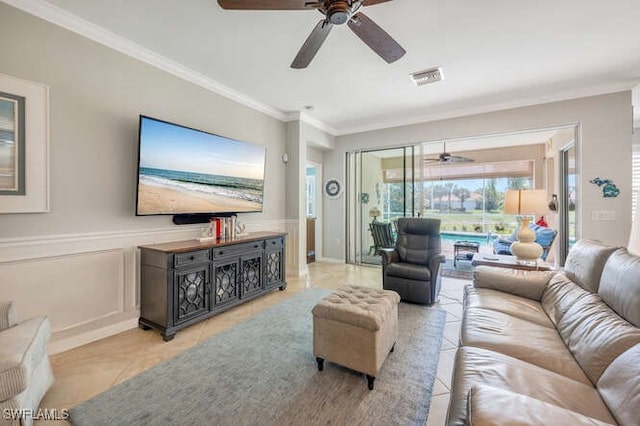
226	279
274	267
191	292
251	273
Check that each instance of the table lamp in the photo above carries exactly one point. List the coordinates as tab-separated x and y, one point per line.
523	202
374	212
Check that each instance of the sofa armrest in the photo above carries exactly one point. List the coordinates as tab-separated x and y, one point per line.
529	284
22	349
499	407
8	315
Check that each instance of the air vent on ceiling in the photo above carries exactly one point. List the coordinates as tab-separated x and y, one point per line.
432	75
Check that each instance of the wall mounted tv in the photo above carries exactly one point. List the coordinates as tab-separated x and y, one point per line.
183	171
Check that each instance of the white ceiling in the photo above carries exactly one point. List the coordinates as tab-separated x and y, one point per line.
494	54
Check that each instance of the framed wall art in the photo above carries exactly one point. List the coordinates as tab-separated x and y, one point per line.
24	146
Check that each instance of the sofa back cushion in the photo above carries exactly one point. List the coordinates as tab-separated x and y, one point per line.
620	285
619	387
585	263
595	334
559	295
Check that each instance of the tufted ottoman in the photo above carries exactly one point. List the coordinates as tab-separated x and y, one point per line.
356	327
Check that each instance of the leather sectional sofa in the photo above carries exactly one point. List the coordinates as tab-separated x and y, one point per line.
551	348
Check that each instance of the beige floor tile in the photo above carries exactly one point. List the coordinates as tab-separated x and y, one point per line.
439	388
438	410
446	362
454	311
452	331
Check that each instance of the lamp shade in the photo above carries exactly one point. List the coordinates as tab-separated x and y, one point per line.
525	201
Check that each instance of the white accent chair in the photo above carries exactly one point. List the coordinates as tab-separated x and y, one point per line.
25	371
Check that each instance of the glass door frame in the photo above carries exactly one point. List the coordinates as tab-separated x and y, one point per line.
564	155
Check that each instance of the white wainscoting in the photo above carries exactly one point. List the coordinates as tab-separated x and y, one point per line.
89	284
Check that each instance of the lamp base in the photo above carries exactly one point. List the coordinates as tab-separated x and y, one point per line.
526	251
526	248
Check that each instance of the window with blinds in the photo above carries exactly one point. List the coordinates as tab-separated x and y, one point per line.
635	163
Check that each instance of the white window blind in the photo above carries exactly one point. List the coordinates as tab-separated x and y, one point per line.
635	162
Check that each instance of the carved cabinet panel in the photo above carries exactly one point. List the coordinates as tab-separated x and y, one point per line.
251	273
226	282
191	292
274	263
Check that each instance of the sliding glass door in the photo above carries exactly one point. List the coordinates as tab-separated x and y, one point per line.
380	188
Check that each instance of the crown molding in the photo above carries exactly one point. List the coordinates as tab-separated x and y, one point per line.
306	118
78	25
461	112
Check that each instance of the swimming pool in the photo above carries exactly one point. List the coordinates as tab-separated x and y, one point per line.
467	236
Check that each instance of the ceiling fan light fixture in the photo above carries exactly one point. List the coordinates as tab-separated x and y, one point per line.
339	12
432	75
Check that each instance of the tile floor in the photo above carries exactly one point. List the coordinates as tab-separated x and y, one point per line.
86	371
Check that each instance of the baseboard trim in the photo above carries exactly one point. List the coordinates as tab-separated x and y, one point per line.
64	341
330	260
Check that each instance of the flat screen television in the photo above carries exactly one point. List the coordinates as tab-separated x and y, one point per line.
183	171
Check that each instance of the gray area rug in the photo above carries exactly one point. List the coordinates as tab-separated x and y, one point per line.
263	372
462	270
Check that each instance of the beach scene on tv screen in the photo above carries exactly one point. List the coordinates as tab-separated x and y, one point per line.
188	171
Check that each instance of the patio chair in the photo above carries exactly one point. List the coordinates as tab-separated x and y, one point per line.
382	236
544	236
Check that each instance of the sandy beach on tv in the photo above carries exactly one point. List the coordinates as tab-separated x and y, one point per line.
154	199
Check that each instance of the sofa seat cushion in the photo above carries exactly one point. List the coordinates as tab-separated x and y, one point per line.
537	344
408	271
22	348
516	306
489	406
478	366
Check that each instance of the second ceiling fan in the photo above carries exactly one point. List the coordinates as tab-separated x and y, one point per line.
337	12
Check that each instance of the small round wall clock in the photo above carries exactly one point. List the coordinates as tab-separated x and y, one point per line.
333	188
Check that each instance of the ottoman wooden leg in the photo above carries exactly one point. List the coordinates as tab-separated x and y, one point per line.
370	380
393	348
320	362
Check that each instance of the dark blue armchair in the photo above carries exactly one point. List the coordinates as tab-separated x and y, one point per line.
544	237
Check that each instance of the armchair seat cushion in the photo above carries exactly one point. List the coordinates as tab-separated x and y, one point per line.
409	271
22	349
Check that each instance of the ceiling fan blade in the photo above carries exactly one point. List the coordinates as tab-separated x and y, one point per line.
265	4
372	2
376	38
459	159
312	45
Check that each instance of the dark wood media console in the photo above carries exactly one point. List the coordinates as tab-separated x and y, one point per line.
185	282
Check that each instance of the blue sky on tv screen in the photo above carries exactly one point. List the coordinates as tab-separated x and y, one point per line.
172	147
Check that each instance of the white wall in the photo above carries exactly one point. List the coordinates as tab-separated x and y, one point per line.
78	264
605	151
